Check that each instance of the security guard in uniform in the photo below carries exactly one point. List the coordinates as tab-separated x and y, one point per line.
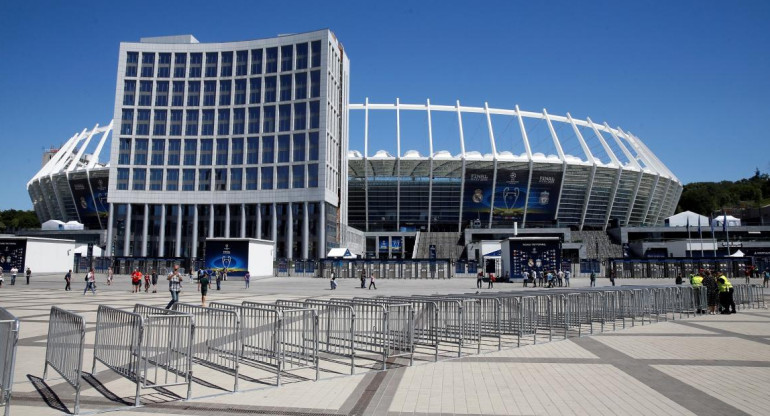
697	283
726	291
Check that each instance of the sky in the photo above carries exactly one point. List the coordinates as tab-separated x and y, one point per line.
690	78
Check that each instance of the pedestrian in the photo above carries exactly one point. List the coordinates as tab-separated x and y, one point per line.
2	279
371	282
747	272
593	279
363	279
525	277
14	272
146	282
109	276
711	292
612	277
203	286
726	302
28	273
136	280
549	279
333	282
539	278
479	279
174	285
67	280
224	274
90	281
219	279
566	277
154	281
560	276
679	279
491	283
247	278
766	278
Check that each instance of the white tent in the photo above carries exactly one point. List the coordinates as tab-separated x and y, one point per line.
681	219
83	250
731	221
61	225
340	253
738	253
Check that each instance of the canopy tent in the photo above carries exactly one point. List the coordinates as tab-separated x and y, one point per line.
340	253
61	225
738	253
731	221
681	219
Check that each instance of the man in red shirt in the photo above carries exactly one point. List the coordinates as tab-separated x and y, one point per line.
136	280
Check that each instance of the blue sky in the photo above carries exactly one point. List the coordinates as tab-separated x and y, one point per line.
690	78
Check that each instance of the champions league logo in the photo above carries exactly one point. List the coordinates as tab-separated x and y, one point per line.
510	196
226	258
545	197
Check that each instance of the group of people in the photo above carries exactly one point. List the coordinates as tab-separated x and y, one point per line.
719	291
150	278
333	281
14	272
548	278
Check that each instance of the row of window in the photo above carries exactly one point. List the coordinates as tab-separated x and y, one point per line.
255	90
224	64
298	147
233	179
283	117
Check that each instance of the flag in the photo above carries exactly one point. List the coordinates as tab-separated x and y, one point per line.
711	222
724	221
688	224
698	224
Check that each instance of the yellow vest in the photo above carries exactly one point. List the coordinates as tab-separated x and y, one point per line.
726	286
697	281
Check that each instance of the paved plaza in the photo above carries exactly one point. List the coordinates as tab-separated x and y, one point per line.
705	365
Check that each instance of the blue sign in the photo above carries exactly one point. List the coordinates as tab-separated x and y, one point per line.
230	255
384	244
395	243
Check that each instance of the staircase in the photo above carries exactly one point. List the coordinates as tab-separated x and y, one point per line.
607	249
445	242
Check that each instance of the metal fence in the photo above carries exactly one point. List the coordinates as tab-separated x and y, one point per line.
64	348
9	338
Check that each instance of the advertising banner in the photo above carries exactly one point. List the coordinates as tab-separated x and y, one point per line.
230	255
383	247
510	196
543	196
12	254
541	256
85	204
395	244
477	196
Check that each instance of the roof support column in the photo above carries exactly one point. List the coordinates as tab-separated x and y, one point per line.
145	229
494	163
127	252
110	231
398	164
194	249
462	156
162	236
430	174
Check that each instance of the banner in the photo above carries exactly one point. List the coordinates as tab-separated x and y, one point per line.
230	255
477	196
543	196
510	196
395	244
13	254
541	256
383	247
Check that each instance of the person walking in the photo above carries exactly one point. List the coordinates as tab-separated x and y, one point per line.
766	278
109	276
174	285
479	279
28	273
566	277
2	279
218	279
90	281
154	281
371	282
146	282
560	276
247	278
203	286
491	281
136	280
593	279
612	277
363	279
68	280
14	272
525	277
333	282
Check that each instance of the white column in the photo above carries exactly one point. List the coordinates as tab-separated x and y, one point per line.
321	229
274	226
110	234
145	228
259	221
243	220
289	231
162	243
127	237
305	230
211	221
178	242
227	220
194	249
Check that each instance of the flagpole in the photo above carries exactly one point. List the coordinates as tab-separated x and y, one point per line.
713	235
700	236
689	244
727	233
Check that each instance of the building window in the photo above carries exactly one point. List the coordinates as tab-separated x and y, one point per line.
194	93
299	147
236	179
239	115
172	180
122	184
124	152
255	90
159	123
161	93
158	150
220	179
176	123
190	151
196	59
227	64
283	149
267	177
145	93
285	93
156	179
283	177
211	64
284	117
129	92
148	64
287	57
188	180
315	54
204	180
315	114
256	61
207	125
251	179
240	92
140	151
270	89
312	176
132	58
298	176
174	149
209	93
164	65
300	120
252	155
315	84
237	157
191	128
224	92
254	120
268	143
223	125
222	145
301	55
180	63
268	119
300	85
271	60
177	97
127	121
312	146
206	151
241	59
140	177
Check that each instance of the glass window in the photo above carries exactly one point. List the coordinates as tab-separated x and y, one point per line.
188	180
132	58
129	92
268	119
209	93
148	64
190	150
299	147
268	143
227	64
180	63
159	123
267	177
164	65
284	117
156	179
251	179
174	149
177	97
298	176
158	150
315	84
176	123
240	92
122	179
127	121
207	125
283	177
300	121
207	148
300	85
283	148
172	180
225	88
236	177
312	176
254	120
315	114
220	179
140	151
191	128
194	93
313	146
140	177
145	93
124	152
204	180
143	122
223	126
237	151
196	59
256	61
161	93
255	90
252	155
222	145
241	59
239	120
271	60
301	55
270	89
315	54
211	64
285	94
287	56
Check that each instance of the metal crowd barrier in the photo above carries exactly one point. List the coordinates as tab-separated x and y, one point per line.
749	296
216	339
9	338
64	348
152	346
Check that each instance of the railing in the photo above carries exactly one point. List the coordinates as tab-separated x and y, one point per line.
9	338
64	348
